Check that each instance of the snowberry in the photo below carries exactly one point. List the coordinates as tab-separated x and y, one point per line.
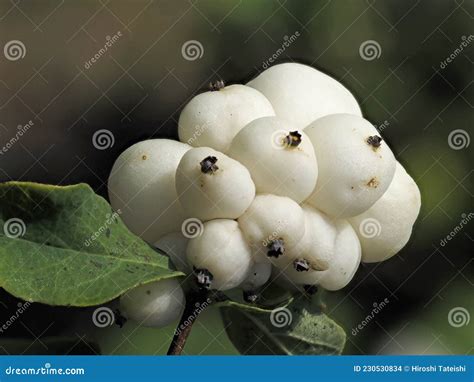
211	185
259	274
301	94
280	158
316	247
220	257
141	186
385	228
355	165
174	244
272	225
342	266
156	304
213	118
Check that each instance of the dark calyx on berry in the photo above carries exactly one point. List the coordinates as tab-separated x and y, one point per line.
250	296
310	289
203	278
120	320
374	140
276	248
293	139
208	165
216	85
301	265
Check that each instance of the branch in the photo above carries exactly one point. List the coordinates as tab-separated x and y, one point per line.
196	302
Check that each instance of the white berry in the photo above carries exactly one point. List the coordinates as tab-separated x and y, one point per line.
301	94
385	228
213	118
174	244
280	158
156	304
316	247
259	274
355	165
220	256
211	185
141	186
272	225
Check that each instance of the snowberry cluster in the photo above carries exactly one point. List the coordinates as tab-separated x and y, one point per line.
286	181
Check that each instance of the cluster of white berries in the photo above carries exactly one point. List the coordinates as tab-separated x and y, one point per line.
282	174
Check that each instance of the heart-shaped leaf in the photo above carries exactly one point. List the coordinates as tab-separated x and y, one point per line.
65	246
296	328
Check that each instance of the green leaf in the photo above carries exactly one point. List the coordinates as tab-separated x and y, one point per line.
296	328
65	246
48	346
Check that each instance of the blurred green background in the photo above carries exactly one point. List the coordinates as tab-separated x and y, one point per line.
137	88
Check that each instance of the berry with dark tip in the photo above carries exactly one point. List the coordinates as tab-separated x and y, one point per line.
374	140
208	165
301	265
275	248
